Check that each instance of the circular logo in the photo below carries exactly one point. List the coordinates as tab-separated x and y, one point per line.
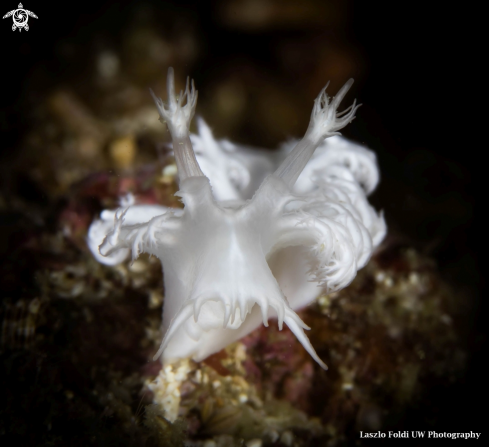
20	18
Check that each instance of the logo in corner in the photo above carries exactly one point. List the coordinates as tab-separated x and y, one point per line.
20	17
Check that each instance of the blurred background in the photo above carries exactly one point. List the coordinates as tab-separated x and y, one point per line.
75	102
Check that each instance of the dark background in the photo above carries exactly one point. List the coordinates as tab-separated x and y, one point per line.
417	75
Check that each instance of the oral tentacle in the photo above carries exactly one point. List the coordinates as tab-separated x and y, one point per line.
263	303
280	309
304	340
290	314
243	309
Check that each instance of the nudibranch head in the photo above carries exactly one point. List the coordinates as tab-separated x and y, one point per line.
232	262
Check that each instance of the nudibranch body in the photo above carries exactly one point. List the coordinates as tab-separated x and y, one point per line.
236	256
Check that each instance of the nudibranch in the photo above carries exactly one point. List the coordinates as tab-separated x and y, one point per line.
259	237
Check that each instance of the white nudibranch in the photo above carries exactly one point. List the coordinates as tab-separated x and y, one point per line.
260	236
